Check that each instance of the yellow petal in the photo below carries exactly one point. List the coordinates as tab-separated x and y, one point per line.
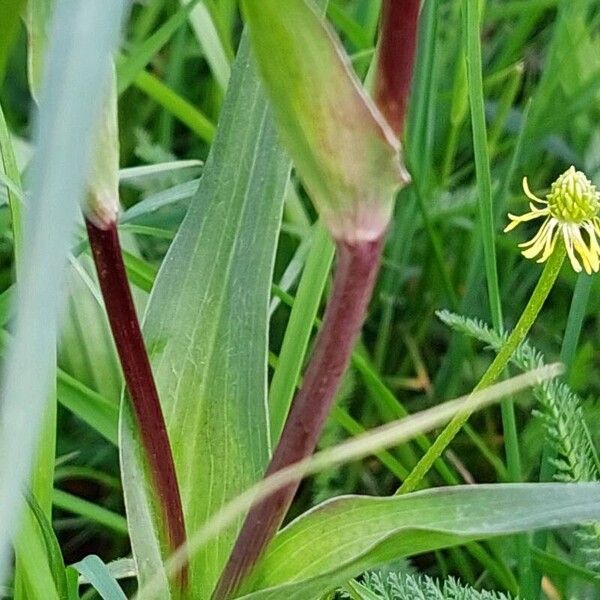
569	246
538	243
551	238
540	234
518	219
529	194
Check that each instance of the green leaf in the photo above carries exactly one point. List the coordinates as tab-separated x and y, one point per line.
88	510
343	149
146	173
205	29
129	67
69	104
53	551
206	327
98	575
341	538
86	349
10	16
299	328
37	580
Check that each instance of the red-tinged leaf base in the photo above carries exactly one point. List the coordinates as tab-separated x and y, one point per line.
127	334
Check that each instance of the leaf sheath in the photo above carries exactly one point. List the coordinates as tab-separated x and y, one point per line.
126	331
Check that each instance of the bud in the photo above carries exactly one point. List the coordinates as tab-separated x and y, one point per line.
345	152
102	202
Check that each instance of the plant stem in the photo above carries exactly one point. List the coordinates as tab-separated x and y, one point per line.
127	334
472	21
395	60
357	266
516	337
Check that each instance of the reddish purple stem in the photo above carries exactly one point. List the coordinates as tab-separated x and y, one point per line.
127	334
357	267
396	56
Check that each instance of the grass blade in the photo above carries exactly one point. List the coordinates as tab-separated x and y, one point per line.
69	105
98	575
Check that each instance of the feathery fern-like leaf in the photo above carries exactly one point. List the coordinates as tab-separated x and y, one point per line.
562	415
403	586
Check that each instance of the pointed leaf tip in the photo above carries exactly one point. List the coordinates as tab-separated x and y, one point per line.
345	152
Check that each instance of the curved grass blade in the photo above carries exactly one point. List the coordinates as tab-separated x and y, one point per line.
348	535
98	575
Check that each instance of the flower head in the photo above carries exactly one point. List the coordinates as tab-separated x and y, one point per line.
570	212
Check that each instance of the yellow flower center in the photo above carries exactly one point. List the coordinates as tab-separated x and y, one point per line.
573	198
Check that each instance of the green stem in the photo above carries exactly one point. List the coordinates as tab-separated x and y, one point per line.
517	336
487	227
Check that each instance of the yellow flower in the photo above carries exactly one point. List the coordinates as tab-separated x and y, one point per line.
570	211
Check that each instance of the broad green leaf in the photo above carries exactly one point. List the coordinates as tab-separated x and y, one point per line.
343	537
69	105
98	574
344	151
206	331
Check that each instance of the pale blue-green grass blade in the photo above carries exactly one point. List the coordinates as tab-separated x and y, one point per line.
97	574
77	64
210	39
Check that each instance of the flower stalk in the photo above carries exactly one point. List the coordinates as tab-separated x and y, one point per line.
515	339
349	159
357	267
395	59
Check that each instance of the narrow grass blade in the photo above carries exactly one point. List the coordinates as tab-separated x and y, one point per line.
210	40
52	547
94	512
128	68
96	572
69	105
297	335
